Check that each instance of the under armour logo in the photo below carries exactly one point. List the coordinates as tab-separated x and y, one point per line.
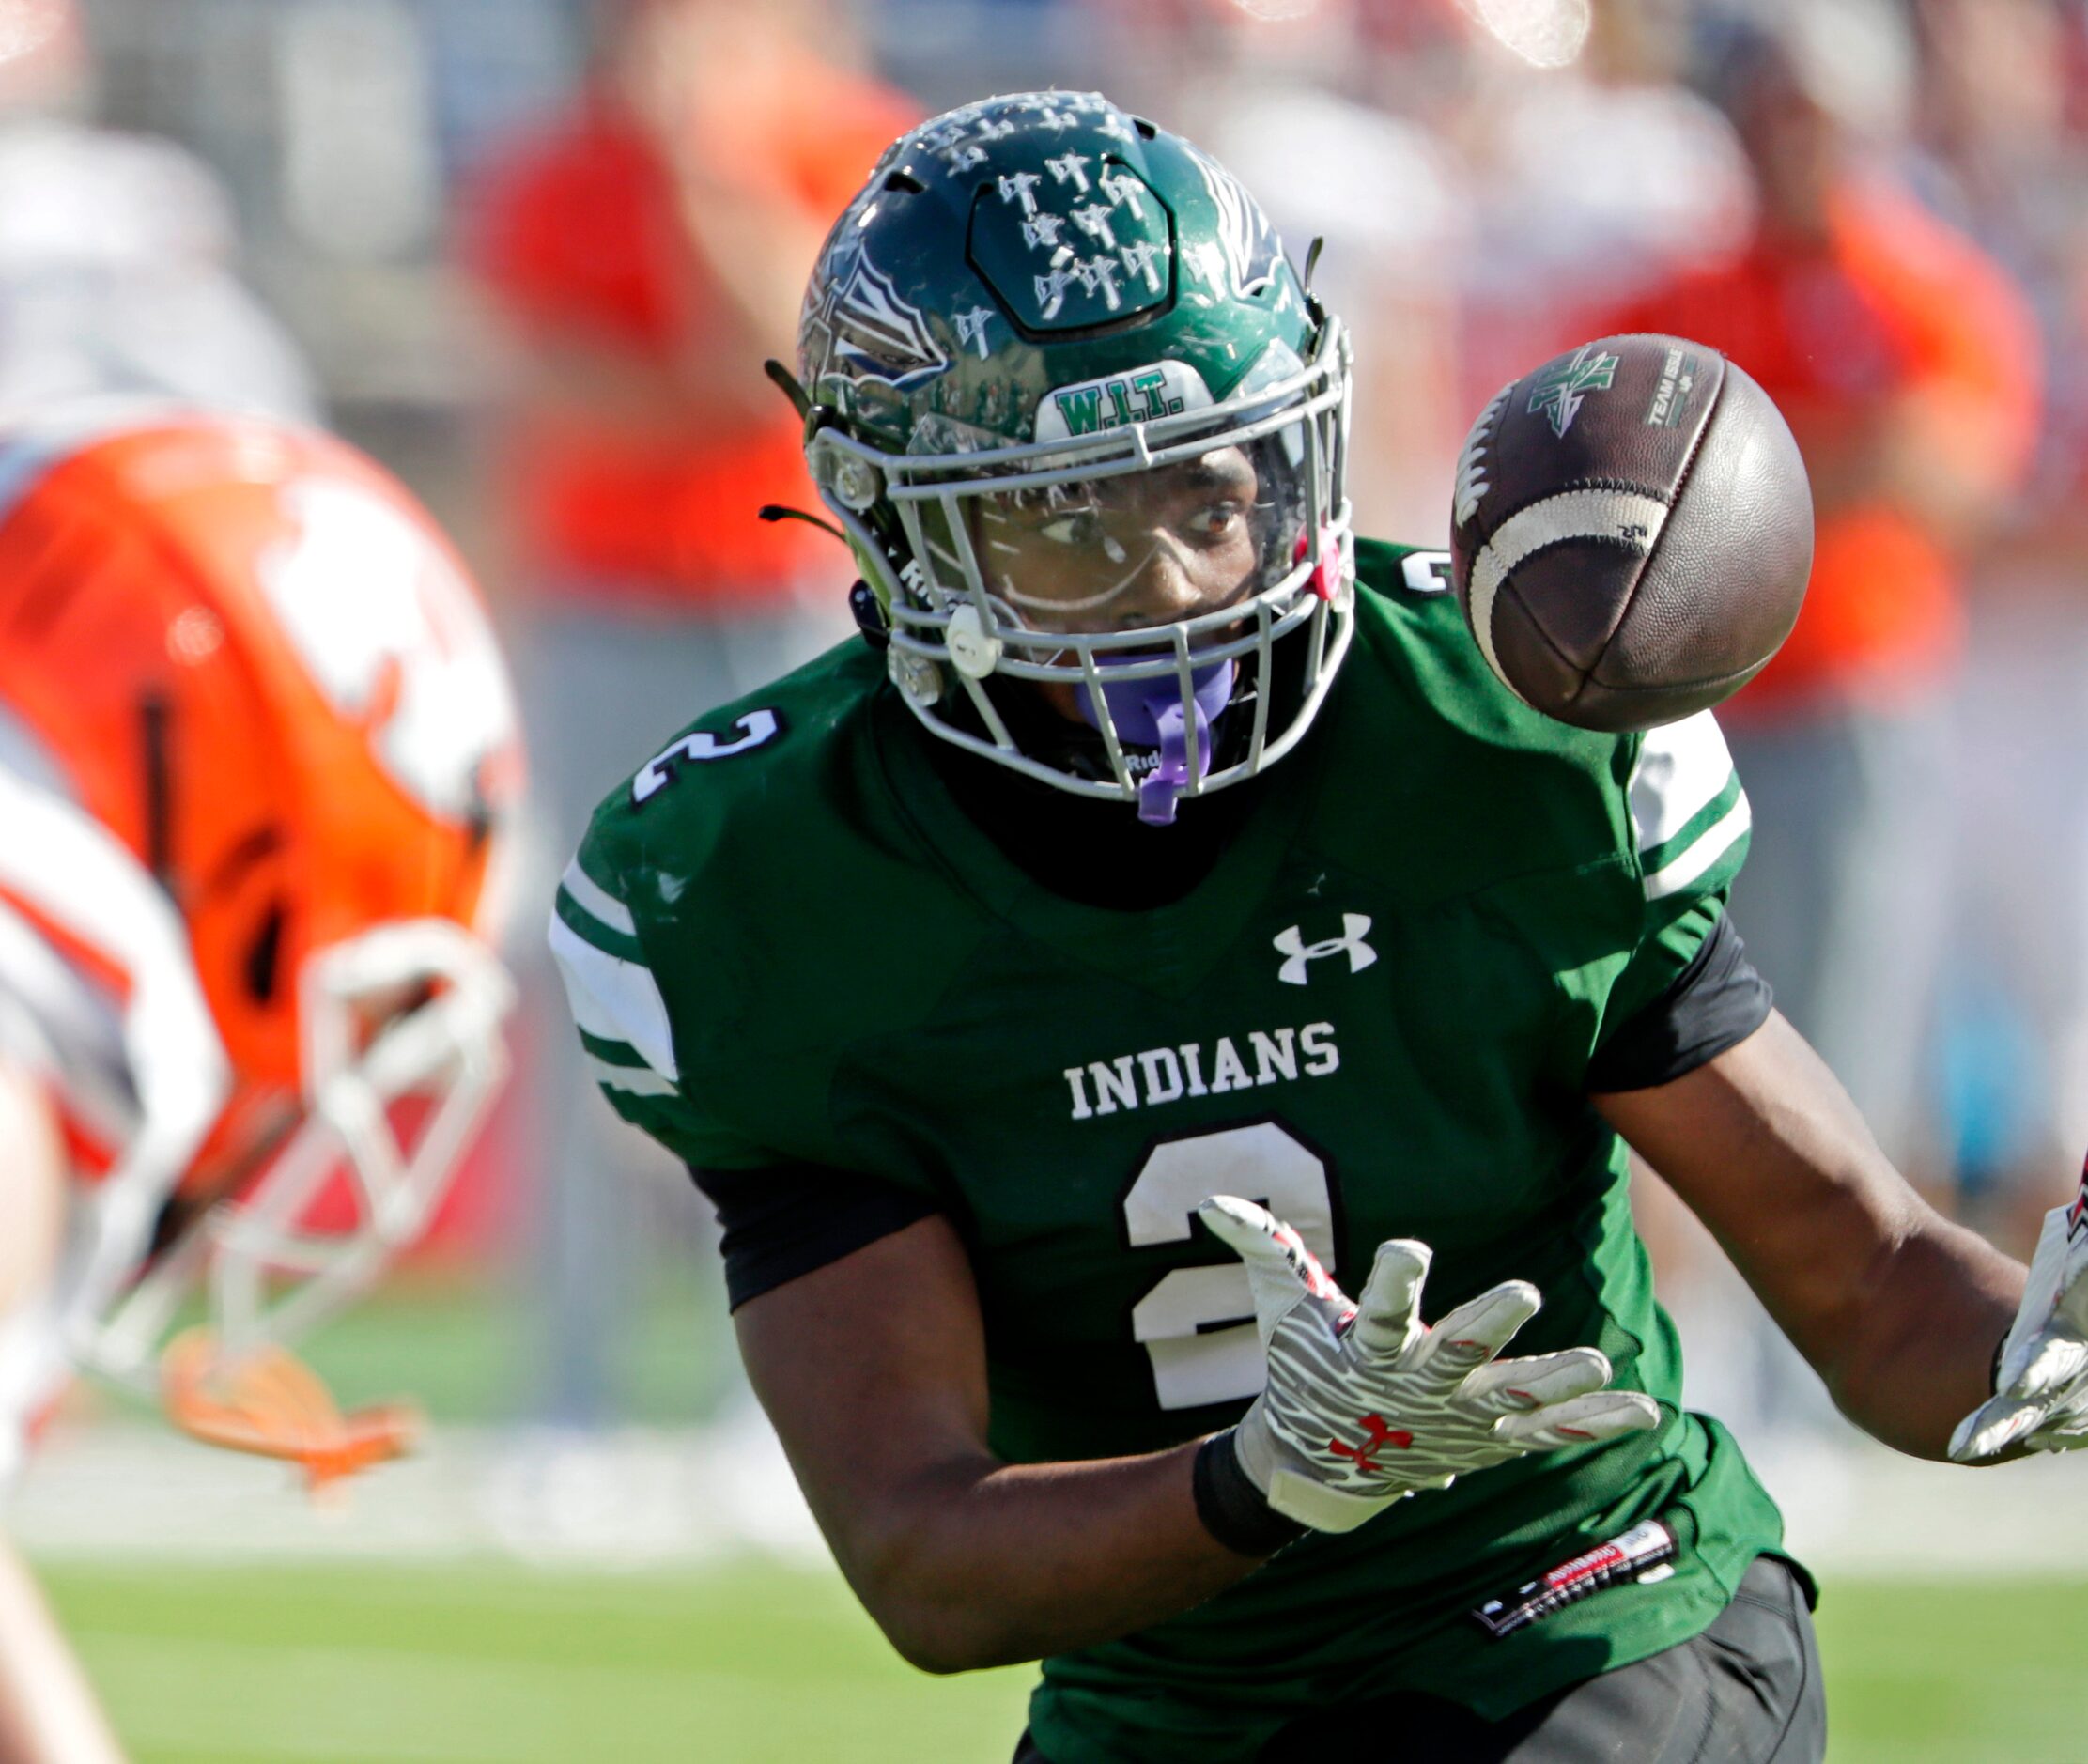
2077	1214
1378	1435
1299	955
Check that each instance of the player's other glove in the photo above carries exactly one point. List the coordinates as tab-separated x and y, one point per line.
2040	1399
1365	1403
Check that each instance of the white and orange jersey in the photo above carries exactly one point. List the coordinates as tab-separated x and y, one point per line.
258	758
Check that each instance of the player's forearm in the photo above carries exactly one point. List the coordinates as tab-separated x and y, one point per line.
985	1564
1897	1309
1922	1355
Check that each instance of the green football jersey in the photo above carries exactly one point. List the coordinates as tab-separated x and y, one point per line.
784	943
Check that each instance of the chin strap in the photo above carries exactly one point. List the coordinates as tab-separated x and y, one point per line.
270	1404
1151	713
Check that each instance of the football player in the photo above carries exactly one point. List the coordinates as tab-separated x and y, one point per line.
257	765
1163	925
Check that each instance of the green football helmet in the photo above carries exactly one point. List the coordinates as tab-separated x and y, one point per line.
1085	429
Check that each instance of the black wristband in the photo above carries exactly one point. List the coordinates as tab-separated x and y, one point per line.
1232	1509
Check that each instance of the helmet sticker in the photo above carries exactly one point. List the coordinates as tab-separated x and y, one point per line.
1249	243
391	634
878	334
971	329
1115	400
1079	243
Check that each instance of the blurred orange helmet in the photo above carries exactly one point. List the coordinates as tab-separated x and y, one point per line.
249	655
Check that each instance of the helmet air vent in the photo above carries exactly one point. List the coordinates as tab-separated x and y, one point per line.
264	957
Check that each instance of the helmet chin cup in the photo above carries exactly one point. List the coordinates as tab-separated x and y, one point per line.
1151	713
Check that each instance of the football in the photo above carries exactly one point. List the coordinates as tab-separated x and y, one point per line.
1631	531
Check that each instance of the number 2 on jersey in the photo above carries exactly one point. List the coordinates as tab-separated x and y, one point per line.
1197	1324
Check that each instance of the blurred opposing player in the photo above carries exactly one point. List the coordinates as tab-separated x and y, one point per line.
257	756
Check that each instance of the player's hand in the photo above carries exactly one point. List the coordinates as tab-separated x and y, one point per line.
2040	1400
1365	1403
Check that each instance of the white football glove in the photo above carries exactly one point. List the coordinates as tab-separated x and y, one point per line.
2040	1399
1365	1405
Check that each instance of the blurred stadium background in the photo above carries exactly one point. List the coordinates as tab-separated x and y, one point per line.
601	1553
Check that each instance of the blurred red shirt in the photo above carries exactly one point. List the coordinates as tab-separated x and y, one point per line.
1891	302
576	232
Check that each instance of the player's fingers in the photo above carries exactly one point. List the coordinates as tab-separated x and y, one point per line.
1516	1386
2052	1363
1280	1269
1477	1330
1388	1312
1993	1427
1581	1420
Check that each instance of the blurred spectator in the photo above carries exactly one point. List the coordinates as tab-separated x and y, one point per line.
1260	89
1907	362
1596	174
648	249
2006	158
117	251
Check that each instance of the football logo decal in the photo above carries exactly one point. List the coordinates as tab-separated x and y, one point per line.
876	333
1558	391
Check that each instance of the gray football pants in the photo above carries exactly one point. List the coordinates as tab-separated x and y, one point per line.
1747	1691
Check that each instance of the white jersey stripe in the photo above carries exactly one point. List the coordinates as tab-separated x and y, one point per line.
637	1080
1715	842
596	901
1681	767
74	871
75	1029
613	999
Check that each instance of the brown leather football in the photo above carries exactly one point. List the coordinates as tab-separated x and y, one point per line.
1632	531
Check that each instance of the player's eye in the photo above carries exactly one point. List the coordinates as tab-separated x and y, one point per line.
1216	520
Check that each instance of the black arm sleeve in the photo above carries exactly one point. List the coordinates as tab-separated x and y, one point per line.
1716	1002
789	1220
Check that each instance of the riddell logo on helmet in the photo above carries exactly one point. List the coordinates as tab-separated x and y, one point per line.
1117	400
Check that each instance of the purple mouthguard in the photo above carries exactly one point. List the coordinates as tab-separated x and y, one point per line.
1149	713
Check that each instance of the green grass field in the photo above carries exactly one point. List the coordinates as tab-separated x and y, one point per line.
495	1666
